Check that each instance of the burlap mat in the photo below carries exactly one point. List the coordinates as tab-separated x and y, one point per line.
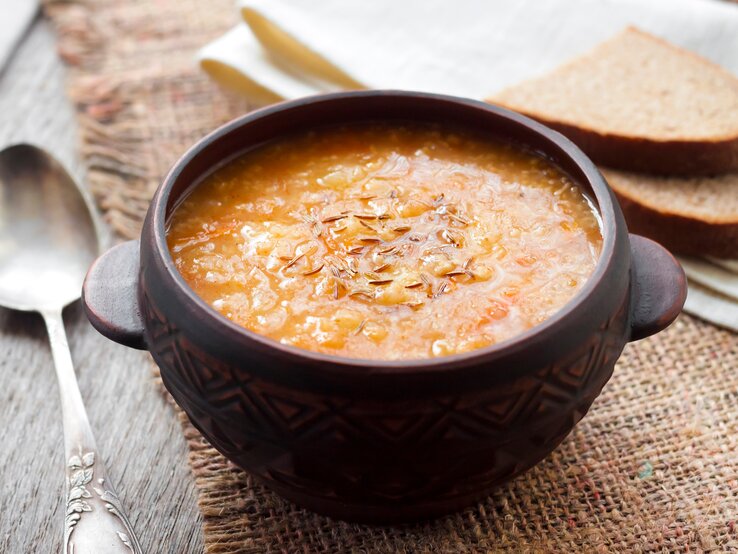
653	467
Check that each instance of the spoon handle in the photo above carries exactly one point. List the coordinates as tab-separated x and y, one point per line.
94	519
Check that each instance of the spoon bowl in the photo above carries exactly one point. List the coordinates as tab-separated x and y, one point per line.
48	235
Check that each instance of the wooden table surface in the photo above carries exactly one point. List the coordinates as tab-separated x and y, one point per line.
136	430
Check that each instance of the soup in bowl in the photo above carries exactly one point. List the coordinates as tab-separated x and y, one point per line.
384	304
386	241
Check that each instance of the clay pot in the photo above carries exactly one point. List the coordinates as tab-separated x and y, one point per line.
382	441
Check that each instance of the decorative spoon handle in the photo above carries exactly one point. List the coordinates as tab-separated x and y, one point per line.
94	520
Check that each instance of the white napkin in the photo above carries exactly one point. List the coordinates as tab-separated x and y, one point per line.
466	47
239	61
288	49
713	290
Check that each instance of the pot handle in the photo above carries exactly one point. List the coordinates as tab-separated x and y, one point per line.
658	288
109	295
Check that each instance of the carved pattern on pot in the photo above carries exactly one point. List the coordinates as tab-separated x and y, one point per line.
353	449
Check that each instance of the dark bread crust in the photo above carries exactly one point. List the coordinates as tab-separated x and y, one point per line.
680	234
674	157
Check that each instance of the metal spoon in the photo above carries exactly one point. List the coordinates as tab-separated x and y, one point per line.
48	239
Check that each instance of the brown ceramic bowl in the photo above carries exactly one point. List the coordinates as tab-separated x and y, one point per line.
368	440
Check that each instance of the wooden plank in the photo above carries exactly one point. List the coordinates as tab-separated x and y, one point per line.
17	17
136	429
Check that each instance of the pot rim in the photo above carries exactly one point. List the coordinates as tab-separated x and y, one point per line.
601	192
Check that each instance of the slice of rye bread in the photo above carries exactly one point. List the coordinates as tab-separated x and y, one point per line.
688	215
638	103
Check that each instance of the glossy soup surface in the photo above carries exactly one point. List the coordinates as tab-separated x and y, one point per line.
386	241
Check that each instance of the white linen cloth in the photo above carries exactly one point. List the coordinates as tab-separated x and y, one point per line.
287	49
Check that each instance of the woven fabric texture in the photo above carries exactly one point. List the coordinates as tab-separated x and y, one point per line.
652	468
